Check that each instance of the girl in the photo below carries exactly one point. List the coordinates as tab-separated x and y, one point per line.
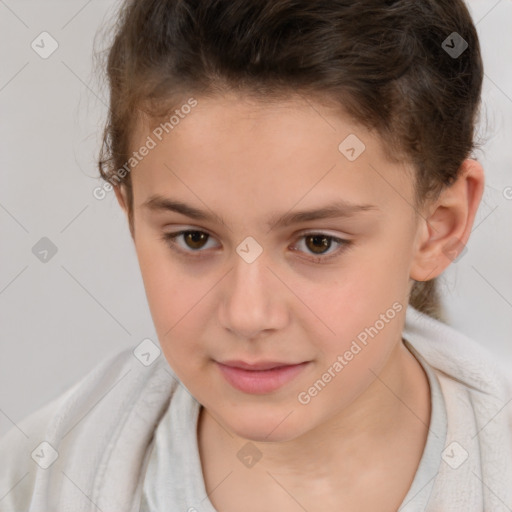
295	176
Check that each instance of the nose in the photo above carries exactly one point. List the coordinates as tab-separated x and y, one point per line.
254	299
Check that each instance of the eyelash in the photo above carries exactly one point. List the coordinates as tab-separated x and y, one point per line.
169	239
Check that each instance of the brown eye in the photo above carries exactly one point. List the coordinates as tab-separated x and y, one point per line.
318	243
195	239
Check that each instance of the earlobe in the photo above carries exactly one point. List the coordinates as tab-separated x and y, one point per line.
443	236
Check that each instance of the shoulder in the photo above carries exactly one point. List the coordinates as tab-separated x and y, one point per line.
476	390
96	405
457	356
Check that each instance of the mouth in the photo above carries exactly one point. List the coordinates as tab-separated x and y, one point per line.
262	365
260	378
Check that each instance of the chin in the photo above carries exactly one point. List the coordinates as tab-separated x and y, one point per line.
273	428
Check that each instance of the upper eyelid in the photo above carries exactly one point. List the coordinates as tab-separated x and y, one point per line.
176	228
299	234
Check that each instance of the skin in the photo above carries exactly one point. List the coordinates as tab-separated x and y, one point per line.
244	161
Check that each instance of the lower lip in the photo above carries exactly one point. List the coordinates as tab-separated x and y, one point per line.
260	381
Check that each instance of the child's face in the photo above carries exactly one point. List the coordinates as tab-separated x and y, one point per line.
216	298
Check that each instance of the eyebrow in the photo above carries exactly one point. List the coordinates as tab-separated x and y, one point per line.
337	209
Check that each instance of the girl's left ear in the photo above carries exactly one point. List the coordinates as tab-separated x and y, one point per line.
442	238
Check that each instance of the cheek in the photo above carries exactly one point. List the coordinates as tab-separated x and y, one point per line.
366	335
173	294
363	304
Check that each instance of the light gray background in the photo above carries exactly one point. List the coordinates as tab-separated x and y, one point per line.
61	318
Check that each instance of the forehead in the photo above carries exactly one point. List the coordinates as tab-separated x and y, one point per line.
254	150
245	121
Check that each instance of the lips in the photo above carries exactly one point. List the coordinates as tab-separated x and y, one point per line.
259	366
260	378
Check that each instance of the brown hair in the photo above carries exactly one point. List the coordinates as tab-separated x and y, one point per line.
383	62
